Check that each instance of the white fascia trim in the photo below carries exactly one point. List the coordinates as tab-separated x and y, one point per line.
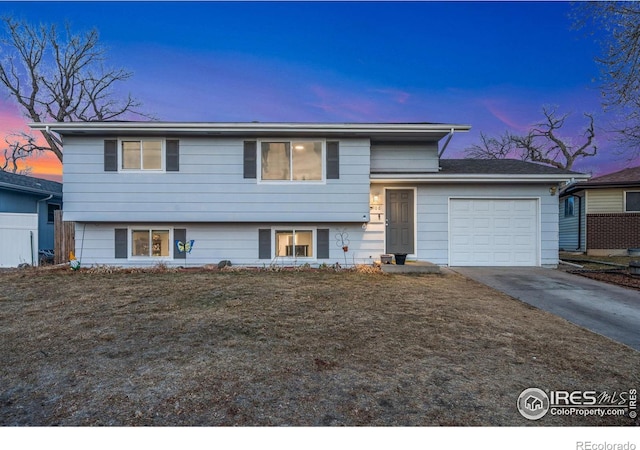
472	178
222	128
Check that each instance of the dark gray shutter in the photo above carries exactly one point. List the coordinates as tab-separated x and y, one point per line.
322	245
333	160
173	155
121	242
111	155
250	159
264	244
179	234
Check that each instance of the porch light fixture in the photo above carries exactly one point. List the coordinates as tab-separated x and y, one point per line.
553	190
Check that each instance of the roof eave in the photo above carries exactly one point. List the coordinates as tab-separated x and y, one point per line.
253	128
472	178
606	185
25	189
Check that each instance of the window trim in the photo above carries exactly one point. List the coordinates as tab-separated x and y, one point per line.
163	154
285	227
149	228
632	191
290	141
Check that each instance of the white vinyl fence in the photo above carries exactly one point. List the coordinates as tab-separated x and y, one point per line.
18	239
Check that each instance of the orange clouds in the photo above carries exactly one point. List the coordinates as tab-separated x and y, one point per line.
42	166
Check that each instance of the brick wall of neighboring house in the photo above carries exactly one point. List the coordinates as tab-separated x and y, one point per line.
613	231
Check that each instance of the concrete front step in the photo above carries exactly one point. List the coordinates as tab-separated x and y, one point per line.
411	267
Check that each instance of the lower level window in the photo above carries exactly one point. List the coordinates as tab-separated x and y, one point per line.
151	243
294	243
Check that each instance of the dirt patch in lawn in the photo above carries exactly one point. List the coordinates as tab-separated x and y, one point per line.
290	348
621	278
610	269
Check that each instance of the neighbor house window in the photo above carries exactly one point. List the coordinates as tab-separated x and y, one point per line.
569	206
291	161
632	201
294	243
150	243
51	212
141	154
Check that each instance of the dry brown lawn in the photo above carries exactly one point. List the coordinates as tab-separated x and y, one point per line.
310	348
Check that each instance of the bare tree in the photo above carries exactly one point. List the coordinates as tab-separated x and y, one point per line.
60	77
541	144
19	148
493	148
620	65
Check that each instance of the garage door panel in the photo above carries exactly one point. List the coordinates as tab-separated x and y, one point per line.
493	232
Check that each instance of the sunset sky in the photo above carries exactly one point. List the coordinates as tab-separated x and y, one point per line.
492	65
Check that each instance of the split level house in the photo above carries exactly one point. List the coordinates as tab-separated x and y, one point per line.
27	207
601	216
294	193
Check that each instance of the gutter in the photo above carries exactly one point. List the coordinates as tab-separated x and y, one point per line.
465	178
244	127
446	143
53	136
38	206
18	188
579	221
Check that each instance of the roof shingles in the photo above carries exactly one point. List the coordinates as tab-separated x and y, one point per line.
29	184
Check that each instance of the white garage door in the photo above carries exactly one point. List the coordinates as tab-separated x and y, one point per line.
18	239
491	232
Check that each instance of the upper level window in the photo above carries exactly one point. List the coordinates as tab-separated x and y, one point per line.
141	155
632	201
291	161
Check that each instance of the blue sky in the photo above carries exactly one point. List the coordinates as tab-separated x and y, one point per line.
492	65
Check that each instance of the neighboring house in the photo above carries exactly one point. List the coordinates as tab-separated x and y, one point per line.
602	216
27	206
295	193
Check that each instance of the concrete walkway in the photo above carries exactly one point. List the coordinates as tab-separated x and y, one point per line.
606	309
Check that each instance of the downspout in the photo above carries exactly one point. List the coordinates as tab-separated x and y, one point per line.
579	223
38	214
32	259
54	137
444	147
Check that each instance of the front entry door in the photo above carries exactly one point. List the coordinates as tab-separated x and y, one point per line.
400	221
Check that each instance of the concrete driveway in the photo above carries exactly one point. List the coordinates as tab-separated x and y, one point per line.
606	309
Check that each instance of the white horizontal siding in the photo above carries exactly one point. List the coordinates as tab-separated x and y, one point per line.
214	242
239	242
433	219
209	187
404	158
